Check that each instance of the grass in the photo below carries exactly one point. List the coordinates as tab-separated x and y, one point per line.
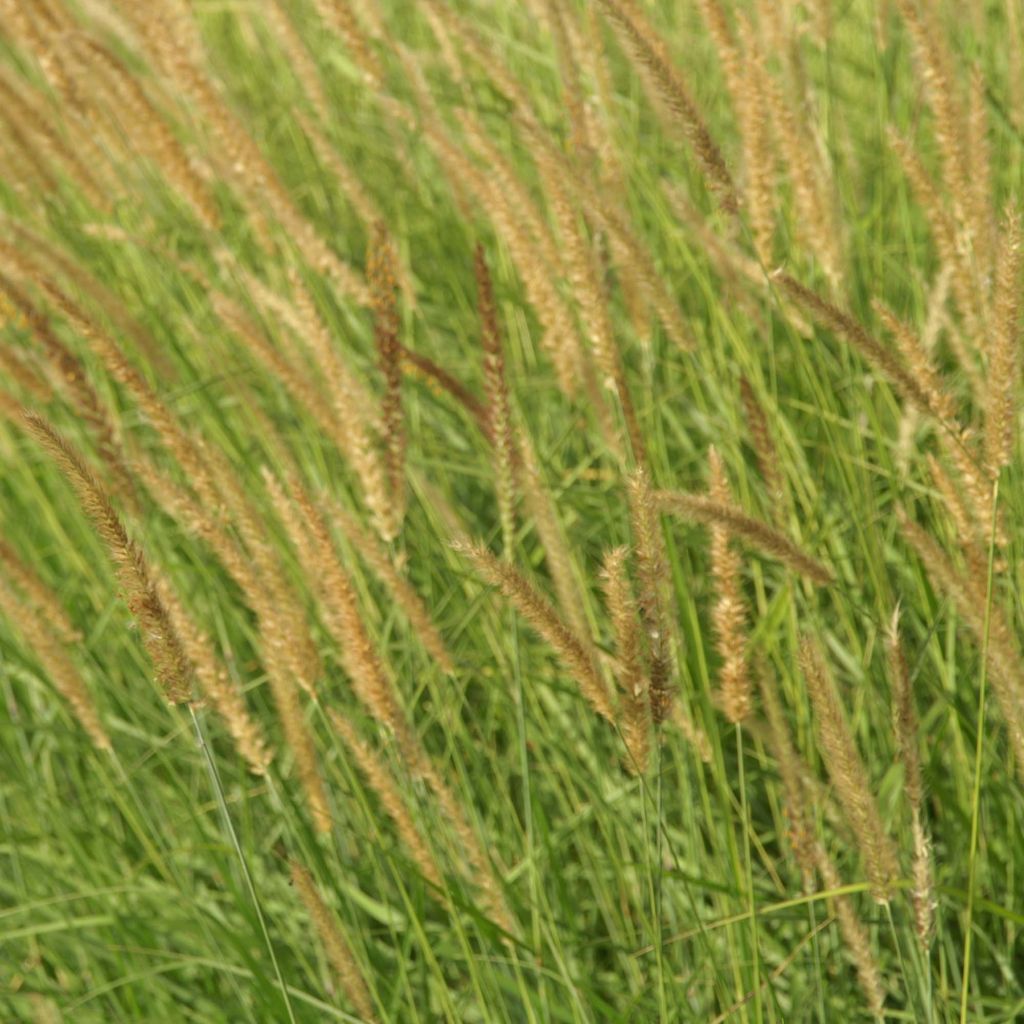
219	226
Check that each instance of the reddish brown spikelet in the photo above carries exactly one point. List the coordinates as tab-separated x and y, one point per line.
499	413
729	616
652	586
419	365
384	302
173	669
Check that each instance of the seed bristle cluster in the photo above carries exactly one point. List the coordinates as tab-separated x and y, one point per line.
729	617
172	668
574	651
651	581
849	774
633	683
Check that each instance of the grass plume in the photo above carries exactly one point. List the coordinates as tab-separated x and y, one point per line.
573	651
848	774
758	534
171	666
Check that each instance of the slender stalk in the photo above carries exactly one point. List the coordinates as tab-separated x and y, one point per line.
749	881
658	884
978	752
250	885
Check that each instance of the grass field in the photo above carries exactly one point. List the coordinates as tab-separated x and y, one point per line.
511	511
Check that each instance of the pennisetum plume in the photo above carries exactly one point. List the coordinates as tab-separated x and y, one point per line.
729	614
499	412
765	449
655	67
906	728
336	945
174	671
842	323
37	614
383	784
575	652
635	702
1002	378
848	774
987	621
216	682
652	591
760	535
384	302
371	683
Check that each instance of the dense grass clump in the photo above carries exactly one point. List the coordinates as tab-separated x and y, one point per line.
511	511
